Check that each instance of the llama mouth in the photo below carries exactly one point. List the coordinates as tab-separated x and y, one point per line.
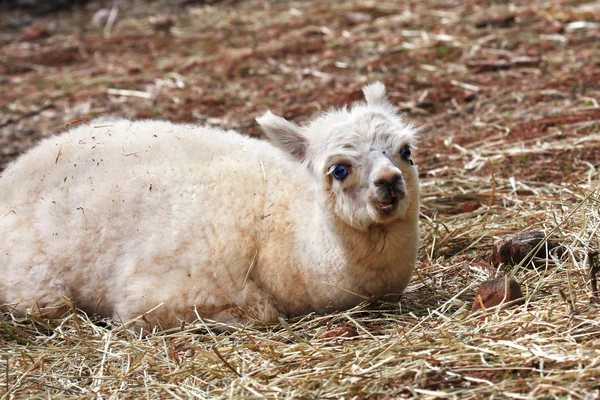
386	207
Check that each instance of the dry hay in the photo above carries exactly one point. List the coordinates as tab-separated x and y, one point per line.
428	345
509	95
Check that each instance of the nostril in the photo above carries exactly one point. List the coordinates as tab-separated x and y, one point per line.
401	192
382	183
389	182
396	179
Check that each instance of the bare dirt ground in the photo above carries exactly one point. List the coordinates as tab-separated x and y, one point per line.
507	93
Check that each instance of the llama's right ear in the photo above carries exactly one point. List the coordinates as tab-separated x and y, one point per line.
284	135
375	94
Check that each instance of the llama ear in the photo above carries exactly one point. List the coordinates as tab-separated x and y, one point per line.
284	134
375	94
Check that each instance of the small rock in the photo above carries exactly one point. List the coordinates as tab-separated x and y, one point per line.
470	206
345	331
35	32
493	292
356	18
512	249
556	27
469	96
162	23
134	70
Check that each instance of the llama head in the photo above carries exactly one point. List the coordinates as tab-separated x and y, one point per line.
361	158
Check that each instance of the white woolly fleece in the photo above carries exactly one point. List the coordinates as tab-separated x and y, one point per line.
122	216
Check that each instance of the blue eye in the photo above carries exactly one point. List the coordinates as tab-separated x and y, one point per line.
405	153
340	172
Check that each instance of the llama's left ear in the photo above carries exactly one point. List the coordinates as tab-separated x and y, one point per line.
375	94
284	134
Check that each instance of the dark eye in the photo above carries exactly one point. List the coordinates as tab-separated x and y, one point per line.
340	172
405	153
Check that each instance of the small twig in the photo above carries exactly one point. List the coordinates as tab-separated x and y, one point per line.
58	155
466	86
493	194
97	305
216	351
346	290
594	269
480	301
289	330
7	358
112	17
77	122
26	115
250	268
133	320
129	93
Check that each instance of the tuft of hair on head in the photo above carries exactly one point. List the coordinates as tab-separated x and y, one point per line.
284	134
375	94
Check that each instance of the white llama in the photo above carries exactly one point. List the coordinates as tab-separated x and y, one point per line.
124	216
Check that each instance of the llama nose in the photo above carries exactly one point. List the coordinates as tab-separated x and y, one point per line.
390	182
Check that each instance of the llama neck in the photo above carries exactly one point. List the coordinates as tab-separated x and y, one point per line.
372	247
325	238
375	262
333	266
